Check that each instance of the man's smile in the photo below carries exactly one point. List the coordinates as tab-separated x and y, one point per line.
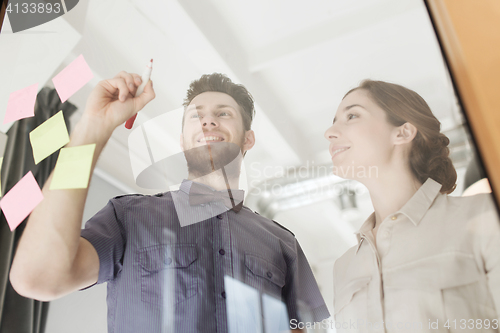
210	137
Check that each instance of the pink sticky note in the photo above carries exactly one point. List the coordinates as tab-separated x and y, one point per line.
21	104
20	201
72	78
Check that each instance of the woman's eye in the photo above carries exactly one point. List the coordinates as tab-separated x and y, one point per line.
223	113
351	115
195	115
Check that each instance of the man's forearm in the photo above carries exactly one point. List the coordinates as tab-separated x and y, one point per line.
51	258
50	240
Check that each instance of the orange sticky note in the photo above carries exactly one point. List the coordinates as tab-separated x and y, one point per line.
20	201
21	104
72	78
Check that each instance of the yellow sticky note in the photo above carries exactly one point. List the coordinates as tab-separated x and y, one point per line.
49	137
73	167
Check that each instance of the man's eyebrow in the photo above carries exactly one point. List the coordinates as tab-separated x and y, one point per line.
222	106
191	108
348	108
218	106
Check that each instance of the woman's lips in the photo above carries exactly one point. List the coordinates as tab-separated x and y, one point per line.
338	151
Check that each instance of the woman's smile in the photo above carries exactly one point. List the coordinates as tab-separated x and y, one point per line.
338	151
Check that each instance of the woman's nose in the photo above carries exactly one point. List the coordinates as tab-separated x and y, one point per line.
331	133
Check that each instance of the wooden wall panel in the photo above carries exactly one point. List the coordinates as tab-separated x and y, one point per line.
469	32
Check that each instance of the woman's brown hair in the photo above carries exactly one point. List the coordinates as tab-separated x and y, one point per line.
429	153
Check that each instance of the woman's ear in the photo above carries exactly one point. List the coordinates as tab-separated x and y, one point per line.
405	133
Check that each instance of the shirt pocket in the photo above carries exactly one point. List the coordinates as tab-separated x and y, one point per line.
448	286
168	273
466	299
350	301
264	275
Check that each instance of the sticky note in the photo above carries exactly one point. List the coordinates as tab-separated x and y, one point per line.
49	137
20	201
73	167
72	78
21	104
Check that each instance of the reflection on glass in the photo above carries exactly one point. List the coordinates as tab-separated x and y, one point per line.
251	311
275	314
243	307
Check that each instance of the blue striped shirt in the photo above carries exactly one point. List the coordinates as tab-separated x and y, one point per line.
163	277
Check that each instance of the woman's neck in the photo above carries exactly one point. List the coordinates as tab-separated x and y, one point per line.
390	192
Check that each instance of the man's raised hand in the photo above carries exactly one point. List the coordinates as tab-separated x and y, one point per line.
113	101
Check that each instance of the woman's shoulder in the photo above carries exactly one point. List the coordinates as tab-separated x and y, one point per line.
473	211
470	198
477	202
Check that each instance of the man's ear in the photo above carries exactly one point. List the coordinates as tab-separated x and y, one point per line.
405	133
181	142
249	140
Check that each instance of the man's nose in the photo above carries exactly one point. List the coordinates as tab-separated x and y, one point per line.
209	121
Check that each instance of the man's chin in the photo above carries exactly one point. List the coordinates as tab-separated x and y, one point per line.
212	156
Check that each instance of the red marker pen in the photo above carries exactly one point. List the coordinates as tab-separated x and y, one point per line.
145	78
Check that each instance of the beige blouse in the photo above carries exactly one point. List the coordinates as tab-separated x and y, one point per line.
436	268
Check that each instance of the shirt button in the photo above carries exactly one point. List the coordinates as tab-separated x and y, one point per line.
219	217
269	274
169	261
394	217
222	252
223	294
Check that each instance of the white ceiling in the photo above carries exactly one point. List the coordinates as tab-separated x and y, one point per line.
298	58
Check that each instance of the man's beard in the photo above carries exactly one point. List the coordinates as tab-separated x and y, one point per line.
208	158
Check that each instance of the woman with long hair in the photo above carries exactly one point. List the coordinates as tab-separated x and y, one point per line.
424	261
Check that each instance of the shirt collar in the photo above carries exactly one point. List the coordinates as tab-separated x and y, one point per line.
366	227
421	201
186	186
414	209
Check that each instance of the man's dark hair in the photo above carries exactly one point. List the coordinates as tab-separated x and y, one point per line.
221	83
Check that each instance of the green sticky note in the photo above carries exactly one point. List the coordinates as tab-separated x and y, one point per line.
49	137
73	167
